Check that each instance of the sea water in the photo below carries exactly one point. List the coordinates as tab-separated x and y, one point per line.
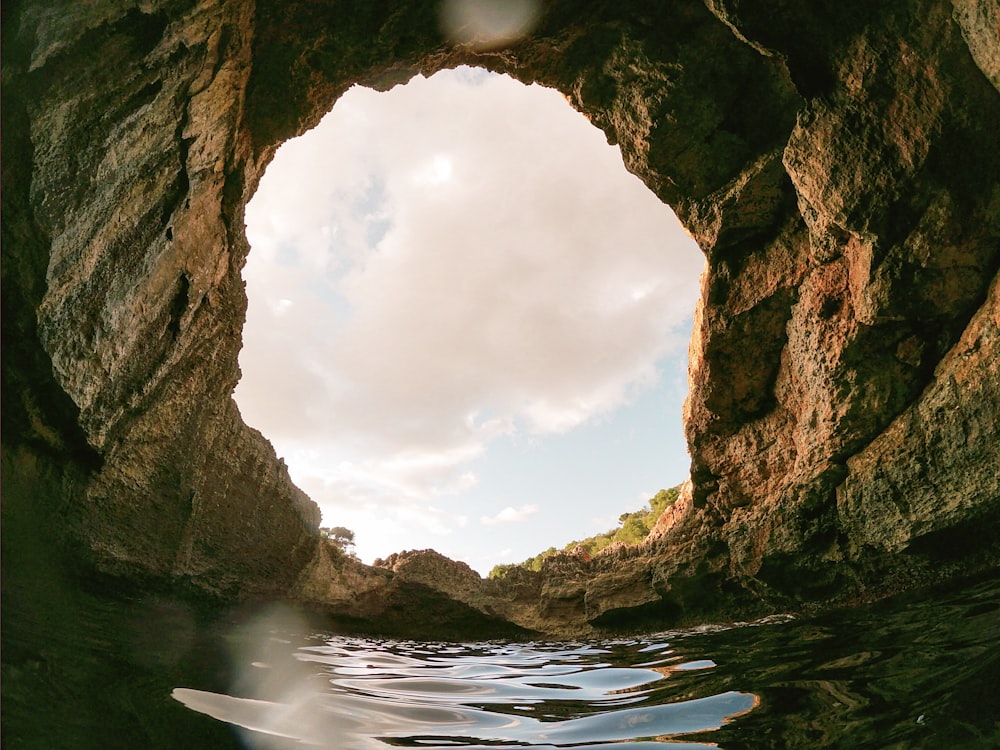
911	673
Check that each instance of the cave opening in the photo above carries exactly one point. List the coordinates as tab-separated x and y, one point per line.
468	323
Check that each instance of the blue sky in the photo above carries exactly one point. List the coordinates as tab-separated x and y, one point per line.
467	323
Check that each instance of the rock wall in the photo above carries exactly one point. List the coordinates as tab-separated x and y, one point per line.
838	165
127	124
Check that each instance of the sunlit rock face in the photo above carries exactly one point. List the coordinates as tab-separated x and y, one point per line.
838	166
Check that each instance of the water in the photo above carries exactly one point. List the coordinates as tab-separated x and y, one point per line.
912	673
380	693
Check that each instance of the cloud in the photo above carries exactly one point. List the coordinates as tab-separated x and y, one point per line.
460	259
510	515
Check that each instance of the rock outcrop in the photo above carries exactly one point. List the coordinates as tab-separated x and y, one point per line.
838	165
434	570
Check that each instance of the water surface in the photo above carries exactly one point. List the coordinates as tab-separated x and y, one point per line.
918	672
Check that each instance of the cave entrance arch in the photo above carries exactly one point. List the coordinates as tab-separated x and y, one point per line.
179	487
140	133
444	279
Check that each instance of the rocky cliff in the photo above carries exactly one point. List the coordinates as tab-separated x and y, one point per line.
839	166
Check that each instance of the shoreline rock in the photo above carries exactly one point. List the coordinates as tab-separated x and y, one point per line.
838	168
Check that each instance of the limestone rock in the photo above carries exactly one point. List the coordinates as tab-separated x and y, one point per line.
838	165
434	570
930	478
671	516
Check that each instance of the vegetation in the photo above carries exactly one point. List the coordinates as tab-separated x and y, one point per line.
339	536
633	529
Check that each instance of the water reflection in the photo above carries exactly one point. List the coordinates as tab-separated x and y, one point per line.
341	692
911	673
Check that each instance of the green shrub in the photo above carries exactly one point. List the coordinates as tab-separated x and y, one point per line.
633	529
663	500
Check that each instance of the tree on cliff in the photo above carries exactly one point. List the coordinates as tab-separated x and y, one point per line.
633	529
663	500
339	535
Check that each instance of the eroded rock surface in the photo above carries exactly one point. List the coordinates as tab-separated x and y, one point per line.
839	167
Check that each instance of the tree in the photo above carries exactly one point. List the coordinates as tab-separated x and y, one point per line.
501	571
633	529
339	535
664	499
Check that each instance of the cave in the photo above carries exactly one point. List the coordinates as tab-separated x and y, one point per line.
838	166
467	323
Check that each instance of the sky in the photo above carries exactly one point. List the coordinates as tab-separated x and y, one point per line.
468	323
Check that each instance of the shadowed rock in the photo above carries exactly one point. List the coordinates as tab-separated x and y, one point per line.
839	168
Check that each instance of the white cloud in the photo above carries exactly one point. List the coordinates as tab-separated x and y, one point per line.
459	259
510	515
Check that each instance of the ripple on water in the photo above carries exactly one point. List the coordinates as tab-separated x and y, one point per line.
918	671
359	693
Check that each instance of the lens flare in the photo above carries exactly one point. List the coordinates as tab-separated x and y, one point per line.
488	24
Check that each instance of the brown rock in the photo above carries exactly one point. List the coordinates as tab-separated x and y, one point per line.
838	165
434	570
